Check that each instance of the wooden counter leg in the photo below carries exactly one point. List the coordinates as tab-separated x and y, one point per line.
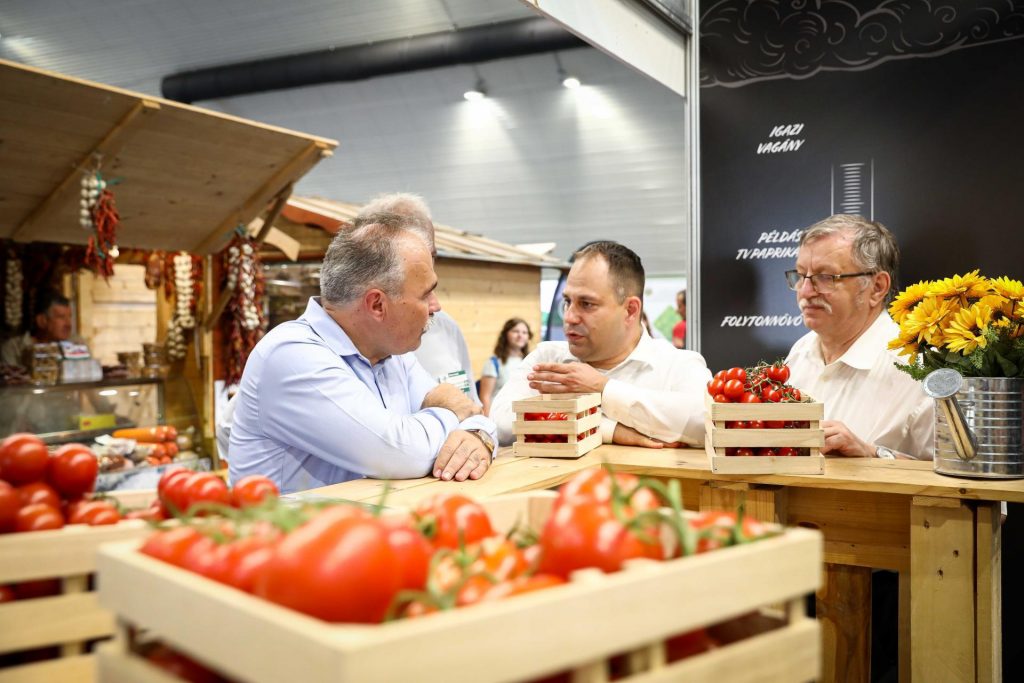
843	608
988	592
942	578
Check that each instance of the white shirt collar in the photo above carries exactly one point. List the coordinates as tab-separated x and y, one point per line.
864	352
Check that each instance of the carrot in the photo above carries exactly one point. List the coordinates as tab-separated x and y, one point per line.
145	434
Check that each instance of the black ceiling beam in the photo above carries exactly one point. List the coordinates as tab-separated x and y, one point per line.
463	46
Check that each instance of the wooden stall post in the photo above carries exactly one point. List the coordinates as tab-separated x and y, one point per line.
941	574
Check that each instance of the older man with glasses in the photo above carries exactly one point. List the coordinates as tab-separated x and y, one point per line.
844	278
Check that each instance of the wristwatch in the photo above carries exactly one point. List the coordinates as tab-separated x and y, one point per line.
884	453
485	437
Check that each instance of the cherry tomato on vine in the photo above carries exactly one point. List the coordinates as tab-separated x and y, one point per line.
716	386
750	397
253	490
778	372
744	451
771	394
720	375
72	470
767	452
454	517
38	517
721	398
39	492
788	452
738	374
734	389
23	458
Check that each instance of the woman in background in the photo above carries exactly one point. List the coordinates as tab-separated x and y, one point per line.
512	347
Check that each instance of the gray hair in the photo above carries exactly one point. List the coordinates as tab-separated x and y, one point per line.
874	248
411	207
367	257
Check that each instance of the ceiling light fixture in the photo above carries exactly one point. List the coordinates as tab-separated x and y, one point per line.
567	80
477	92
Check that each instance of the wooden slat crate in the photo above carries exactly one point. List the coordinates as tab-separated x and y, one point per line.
67	620
575	627
717	438
574	428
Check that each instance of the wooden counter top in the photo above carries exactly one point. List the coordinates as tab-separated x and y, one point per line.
509	474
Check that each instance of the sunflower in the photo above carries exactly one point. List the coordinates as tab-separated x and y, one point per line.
1007	288
969	286
966	330
906	346
907	299
926	321
999	303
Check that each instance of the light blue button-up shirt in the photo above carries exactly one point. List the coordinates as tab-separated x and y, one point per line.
312	411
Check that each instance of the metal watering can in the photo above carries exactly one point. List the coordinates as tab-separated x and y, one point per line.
979	425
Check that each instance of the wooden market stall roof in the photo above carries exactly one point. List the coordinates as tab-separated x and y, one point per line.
451	242
186	176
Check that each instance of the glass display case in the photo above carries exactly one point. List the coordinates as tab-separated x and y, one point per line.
81	411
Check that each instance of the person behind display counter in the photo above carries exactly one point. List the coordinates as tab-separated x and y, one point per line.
513	345
337	394
51	322
844	277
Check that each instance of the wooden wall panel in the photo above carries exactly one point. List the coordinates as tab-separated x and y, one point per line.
118	314
481	296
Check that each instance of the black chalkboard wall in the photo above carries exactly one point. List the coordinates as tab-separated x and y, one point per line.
909	112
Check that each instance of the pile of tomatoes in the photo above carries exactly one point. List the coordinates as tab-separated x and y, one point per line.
556	417
39	491
762	383
348	563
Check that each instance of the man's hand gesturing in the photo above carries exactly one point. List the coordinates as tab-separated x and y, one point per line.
566	378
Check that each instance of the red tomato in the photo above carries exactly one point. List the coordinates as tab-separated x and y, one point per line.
744	451
39	492
788	452
766	452
721	398
171	490
205	488
774	424
736	424
102	515
180	666
750	397
755	424
7	594
253	490
716	528
10	501
688	644
336	567
771	394
23	458
587	534
778	372
716	386
171	545
40	588
720	375
412	552
520	585
738	374
72	470
38	517
794	394
454	519
734	389
595	484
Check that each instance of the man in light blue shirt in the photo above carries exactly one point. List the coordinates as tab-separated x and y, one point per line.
337	394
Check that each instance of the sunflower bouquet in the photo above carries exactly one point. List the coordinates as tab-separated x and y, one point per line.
970	323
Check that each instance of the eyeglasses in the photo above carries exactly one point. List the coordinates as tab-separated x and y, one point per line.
822	282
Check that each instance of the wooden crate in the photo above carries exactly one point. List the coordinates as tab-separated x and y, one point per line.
574	428
717	438
72	618
572	627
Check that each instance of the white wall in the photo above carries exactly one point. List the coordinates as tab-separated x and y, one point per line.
534	162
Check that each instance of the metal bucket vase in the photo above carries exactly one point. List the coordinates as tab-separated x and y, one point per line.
993	408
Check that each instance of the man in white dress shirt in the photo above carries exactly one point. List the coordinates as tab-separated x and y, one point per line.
652	394
844	277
